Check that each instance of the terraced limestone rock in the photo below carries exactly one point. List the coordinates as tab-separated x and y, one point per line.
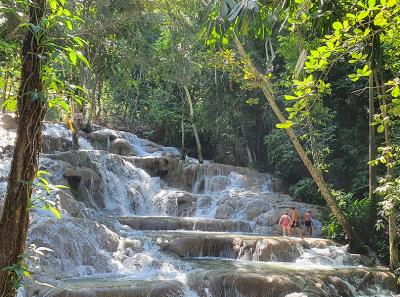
137	221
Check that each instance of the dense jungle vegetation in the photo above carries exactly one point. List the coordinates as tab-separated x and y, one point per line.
225	80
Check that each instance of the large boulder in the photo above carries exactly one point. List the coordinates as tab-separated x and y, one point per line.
255	207
51	144
121	147
164	167
224	212
101	139
85	184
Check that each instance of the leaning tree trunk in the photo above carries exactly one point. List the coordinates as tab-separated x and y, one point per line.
298	72
394	262
15	218
268	93
194	127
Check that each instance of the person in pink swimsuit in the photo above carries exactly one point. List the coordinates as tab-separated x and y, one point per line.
285	222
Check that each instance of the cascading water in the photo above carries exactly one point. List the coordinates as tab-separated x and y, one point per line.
60	131
176	232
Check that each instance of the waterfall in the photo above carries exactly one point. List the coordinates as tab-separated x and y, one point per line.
136	221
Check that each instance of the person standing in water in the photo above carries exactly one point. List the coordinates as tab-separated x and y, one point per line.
284	222
295	223
308	222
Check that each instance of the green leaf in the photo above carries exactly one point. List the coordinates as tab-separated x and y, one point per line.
354	77
34	96
61	187
285	125
362	15
381	128
380	20
53	5
55	212
63	105
72	57
10	104
78	40
395	92
290	97
35	28
83	58
371	3
42	172
68	24
337	25
44	181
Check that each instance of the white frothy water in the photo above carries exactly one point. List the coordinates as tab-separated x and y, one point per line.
56	130
59	130
146	148
7	139
89	241
127	189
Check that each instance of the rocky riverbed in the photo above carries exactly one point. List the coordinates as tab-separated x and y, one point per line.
137	221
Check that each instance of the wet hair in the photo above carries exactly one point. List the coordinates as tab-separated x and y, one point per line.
292	208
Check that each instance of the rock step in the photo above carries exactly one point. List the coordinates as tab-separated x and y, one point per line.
185	223
115	286
220	278
253	247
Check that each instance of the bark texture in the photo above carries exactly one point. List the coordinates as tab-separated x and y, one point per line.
15	218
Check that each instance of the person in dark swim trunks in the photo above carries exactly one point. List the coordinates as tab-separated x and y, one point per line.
295	223
308	222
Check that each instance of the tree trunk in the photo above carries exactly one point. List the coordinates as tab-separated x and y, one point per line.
4	94
393	238
99	94
298	72
313	144
267	90
15	218
372	181
92	109
250	161
183	149
392	213
194	127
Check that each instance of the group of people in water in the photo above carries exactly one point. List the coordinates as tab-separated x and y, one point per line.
292	221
